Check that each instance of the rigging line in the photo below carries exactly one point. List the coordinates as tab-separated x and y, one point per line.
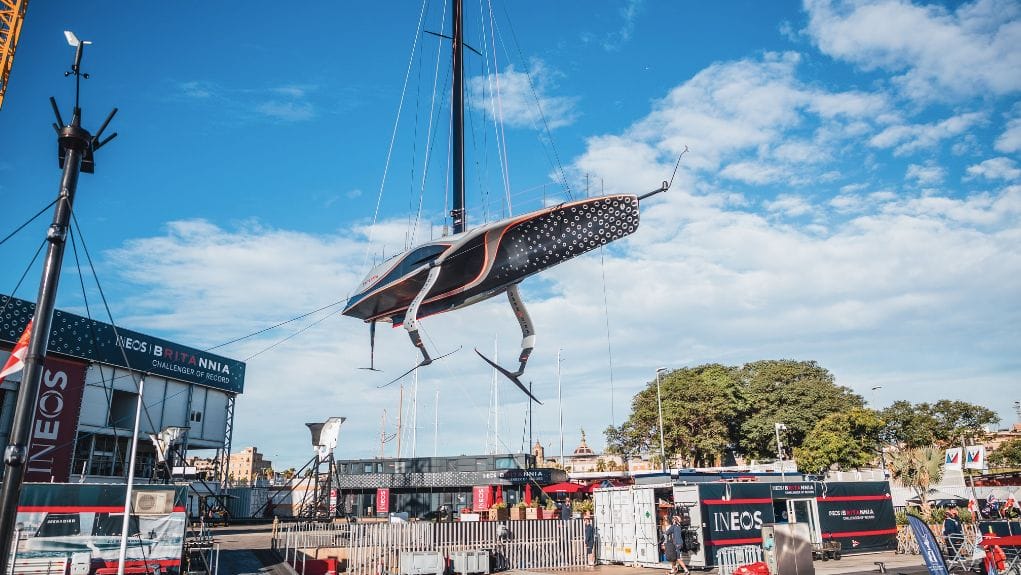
300	331
609	347
501	128
24	274
30	220
411	225
538	105
483	189
109	314
92	329
393	135
272	327
431	131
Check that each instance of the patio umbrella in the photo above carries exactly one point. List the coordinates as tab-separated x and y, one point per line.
567	487
499	493
528	494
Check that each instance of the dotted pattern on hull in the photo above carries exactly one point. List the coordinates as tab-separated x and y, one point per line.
564	233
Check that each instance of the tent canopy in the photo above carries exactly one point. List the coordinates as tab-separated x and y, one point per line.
567	487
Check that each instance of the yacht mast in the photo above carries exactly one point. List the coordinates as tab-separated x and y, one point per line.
457	213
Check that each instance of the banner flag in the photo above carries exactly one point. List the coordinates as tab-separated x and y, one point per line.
975	457
952	460
928	547
16	362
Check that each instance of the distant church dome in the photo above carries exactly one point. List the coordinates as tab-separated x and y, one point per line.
583	448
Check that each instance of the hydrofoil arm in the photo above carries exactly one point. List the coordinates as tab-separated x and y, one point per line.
527	341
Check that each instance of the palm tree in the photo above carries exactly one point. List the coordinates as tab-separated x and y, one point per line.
918	468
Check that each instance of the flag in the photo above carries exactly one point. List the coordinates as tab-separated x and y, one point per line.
16	362
975	457
952	459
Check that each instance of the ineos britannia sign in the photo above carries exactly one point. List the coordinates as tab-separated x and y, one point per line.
85	338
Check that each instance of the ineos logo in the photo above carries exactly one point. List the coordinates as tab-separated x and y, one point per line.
737	521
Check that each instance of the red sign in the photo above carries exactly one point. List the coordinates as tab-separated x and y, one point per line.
482	497
56	421
382	500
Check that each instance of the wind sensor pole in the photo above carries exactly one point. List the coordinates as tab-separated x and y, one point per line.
76	147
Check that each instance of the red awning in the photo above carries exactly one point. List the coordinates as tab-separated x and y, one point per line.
562	488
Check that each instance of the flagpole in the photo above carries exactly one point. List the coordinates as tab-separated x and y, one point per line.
76	147
126	523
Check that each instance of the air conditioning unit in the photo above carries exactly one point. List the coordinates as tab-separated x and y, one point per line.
152	502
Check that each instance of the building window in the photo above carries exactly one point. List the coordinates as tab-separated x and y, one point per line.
103	455
196	416
122	409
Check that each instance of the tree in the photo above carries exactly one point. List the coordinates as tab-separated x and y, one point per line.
1008	454
909	425
699	407
917	468
796	393
960	421
847	440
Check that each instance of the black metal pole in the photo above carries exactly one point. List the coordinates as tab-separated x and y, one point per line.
457	213
75	141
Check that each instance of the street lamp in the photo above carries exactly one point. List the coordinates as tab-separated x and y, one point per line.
659	402
777	428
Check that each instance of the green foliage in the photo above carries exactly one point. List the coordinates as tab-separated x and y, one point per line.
584	506
909	425
845	440
1008	454
796	393
960	421
946	423
713	409
917	468
699	407
499	505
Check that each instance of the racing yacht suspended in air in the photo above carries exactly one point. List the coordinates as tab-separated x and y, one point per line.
470	266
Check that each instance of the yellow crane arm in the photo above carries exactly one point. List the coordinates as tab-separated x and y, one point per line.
12	14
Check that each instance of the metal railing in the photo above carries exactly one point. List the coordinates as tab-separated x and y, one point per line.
730	558
372	548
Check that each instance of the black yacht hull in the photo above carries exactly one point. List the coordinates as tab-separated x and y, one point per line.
486	261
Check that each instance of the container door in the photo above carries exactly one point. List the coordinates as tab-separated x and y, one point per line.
805	511
646	542
604	525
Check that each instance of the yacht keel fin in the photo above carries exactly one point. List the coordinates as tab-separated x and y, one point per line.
509	375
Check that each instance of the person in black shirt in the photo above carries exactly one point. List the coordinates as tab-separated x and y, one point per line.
953	536
673	543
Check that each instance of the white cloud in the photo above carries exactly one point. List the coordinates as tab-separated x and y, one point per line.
926	175
1010	139
909	138
287	111
516	104
937	53
789	205
996	169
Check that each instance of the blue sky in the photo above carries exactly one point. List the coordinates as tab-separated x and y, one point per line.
851	196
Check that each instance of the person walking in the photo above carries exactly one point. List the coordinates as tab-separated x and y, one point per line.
673	543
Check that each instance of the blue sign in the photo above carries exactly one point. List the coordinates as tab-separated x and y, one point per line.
928	546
